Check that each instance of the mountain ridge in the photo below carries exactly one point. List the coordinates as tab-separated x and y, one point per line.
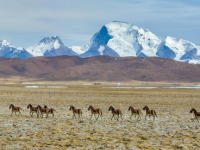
116	39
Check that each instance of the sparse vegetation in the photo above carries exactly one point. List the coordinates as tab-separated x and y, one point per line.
173	129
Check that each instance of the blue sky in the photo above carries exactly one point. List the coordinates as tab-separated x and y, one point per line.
25	22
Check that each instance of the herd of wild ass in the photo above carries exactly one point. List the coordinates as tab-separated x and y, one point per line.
115	112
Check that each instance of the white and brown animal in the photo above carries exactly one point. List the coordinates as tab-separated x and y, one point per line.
51	110
76	111
42	111
95	112
15	109
116	112
32	109
196	114
150	113
136	112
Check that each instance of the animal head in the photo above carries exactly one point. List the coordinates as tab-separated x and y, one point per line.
71	108
110	108
39	106
29	106
192	110
146	108
90	107
45	106
130	107
11	106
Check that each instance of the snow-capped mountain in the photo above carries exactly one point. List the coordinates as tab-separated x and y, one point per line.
129	40
116	39
50	46
7	50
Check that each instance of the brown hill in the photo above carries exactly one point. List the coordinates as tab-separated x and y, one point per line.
101	68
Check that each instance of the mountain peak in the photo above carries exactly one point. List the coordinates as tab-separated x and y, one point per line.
52	39
46	44
5	43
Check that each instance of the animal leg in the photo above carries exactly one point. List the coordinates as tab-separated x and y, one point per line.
97	117
121	116
73	116
91	117
118	118
20	113
197	119
11	113
131	116
112	117
138	117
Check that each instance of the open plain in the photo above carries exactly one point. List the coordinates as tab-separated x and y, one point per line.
173	128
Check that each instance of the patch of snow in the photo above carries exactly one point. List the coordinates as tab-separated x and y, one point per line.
80	49
101	49
20	48
5	43
194	61
39	49
56	44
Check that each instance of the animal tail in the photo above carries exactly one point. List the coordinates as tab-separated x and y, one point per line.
21	108
54	110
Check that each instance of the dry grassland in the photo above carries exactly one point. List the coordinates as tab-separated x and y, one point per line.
173	129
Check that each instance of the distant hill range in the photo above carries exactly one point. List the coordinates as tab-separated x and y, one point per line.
116	39
100	68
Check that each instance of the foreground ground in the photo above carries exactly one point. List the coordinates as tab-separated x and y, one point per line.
173	129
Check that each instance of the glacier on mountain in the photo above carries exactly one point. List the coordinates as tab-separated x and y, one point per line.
50	46
116	39
129	40
7	50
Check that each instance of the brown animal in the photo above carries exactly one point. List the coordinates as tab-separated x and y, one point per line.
135	112
51	110
32	109
95	111
117	112
15	109
150	112
76	111
42	111
196	114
